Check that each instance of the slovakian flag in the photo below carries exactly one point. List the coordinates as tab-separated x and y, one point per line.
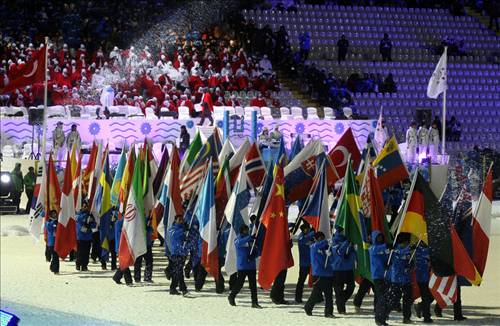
31	73
66	224
316	212
443	289
340	153
299	173
426	219
481	224
236	214
236	161
390	166
133	235
254	166
276	250
160	173
205	213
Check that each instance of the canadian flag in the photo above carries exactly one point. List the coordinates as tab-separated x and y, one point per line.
31	73
66	228
481	224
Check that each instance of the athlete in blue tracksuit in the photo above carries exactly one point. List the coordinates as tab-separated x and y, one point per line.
422	271
342	260
125	273
51	226
85	222
306	238
245	263
400	277
147	257
379	254
323	271
177	236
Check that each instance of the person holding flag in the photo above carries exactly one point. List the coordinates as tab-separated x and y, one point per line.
51	227
306	238
422	271
379	255
85	222
176	233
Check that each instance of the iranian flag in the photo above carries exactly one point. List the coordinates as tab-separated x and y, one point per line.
66	224
133	236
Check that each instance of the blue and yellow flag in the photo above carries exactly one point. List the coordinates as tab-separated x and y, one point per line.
117	181
105	225
390	166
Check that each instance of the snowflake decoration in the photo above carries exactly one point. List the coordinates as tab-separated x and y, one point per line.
145	128
220	124
339	128
94	128
190	124
299	128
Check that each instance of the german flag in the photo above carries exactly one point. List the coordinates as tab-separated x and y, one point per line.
429	222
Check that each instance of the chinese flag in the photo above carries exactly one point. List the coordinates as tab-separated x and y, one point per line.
276	251
31	73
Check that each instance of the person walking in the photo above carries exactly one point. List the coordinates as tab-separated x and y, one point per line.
29	181
17	186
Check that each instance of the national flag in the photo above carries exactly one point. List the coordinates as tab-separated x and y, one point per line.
38	211
438	81
76	168
426	219
276	252
150	170
380	136
126	183
53	190
133	235
192	152
281	152
97	197
226	151
462	262
236	214
205	213
105	207
160	173
372	202
340	153
481	224
390	166
117	180
316	211
95	176
372	155
254	166
89	170
66	224
31	73
237	160
297	146
350	220
443	289
222	190
170	198
210	149
299	173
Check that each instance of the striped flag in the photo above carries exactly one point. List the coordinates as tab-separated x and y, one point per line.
254	166
237	160
38	211
443	289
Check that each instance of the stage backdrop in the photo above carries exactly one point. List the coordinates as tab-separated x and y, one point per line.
118	131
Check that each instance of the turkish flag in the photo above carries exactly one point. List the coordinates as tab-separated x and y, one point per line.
340	153
31	73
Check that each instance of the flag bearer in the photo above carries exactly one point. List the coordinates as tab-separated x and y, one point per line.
400	277
177	238
379	254
422	271
84	224
306	238
343	259
51	226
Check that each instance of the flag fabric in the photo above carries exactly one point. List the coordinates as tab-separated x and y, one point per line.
117	180
426	219
340	153
31	73
222	190
76	168
236	214
66	223
372	155
299	173
297	146
192	152
462	263
481	224
126	182
380	136
97	196
350	220
438	81
95	176
205	213
443	289
281	152
53	191
390	166
150	170
105	207
276	251
226	151
254	166
133	235
194	174
236	161
316	212
38	211
87	173
160	174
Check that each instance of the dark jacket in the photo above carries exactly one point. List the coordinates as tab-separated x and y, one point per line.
318	259
245	260
84	225
176	233
399	271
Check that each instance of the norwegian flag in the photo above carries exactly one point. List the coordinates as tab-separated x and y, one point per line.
254	166
443	289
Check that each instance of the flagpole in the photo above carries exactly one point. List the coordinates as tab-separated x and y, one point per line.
45	109
443	147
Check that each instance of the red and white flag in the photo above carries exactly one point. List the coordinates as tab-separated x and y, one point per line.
236	161
66	224
340	153
481	224
254	166
443	289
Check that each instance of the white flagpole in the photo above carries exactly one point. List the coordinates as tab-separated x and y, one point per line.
443	151
45	109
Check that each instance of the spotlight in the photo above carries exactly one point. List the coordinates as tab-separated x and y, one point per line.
5	184
5	178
